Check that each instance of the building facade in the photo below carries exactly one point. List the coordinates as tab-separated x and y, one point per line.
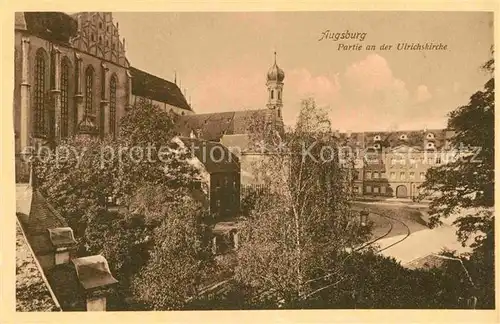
72	77
394	164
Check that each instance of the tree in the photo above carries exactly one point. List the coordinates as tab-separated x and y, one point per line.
466	185
304	216
151	179
179	261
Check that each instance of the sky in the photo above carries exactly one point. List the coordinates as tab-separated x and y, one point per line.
221	60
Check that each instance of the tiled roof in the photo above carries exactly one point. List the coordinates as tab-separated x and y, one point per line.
239	142
426	262
225	227
32	293
213	126
41	218
64	282
214	156
152	87
392	139
54	26
431	261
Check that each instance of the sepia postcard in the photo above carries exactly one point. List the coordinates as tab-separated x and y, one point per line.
290	165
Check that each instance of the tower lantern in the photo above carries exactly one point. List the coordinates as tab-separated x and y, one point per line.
274	84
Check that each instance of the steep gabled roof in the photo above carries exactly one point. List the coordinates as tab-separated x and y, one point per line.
32	292
57	27
213	155
152	87
213	126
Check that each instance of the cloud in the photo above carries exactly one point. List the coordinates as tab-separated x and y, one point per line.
372	75
365	96
300	83
422	93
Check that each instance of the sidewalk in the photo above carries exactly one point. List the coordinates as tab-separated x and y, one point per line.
393	202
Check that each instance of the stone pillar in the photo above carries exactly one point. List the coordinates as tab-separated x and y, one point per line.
25	95
214	244
96	303
129	91
79	94
236	240
104	111
22	164
56	93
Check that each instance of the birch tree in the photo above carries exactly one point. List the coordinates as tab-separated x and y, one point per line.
303	220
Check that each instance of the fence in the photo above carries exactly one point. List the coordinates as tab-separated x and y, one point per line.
246	190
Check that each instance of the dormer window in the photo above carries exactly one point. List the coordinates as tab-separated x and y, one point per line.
376	138
430	145
403	137
376	146
430	136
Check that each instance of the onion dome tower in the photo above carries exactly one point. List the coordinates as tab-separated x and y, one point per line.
274	84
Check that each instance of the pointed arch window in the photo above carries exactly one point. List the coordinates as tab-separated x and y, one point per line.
64	98
89	85
112	106
39	98
279	95
272	94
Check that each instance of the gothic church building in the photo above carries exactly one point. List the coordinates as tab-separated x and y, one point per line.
72	77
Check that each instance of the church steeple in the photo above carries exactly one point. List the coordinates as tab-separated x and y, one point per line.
275	77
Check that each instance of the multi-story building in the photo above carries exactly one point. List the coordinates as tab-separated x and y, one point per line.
72	77
394	164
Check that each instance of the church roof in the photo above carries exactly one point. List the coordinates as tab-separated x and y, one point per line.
213	126
57	27
152	87
275	72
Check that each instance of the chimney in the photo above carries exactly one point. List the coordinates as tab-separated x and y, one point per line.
96	279
63	242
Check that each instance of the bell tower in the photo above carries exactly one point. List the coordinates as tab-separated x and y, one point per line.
274	84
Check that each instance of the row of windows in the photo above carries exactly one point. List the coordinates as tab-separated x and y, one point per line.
393	175
429	145
40	95
382	189
411	161
429	160
429	136
225	183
